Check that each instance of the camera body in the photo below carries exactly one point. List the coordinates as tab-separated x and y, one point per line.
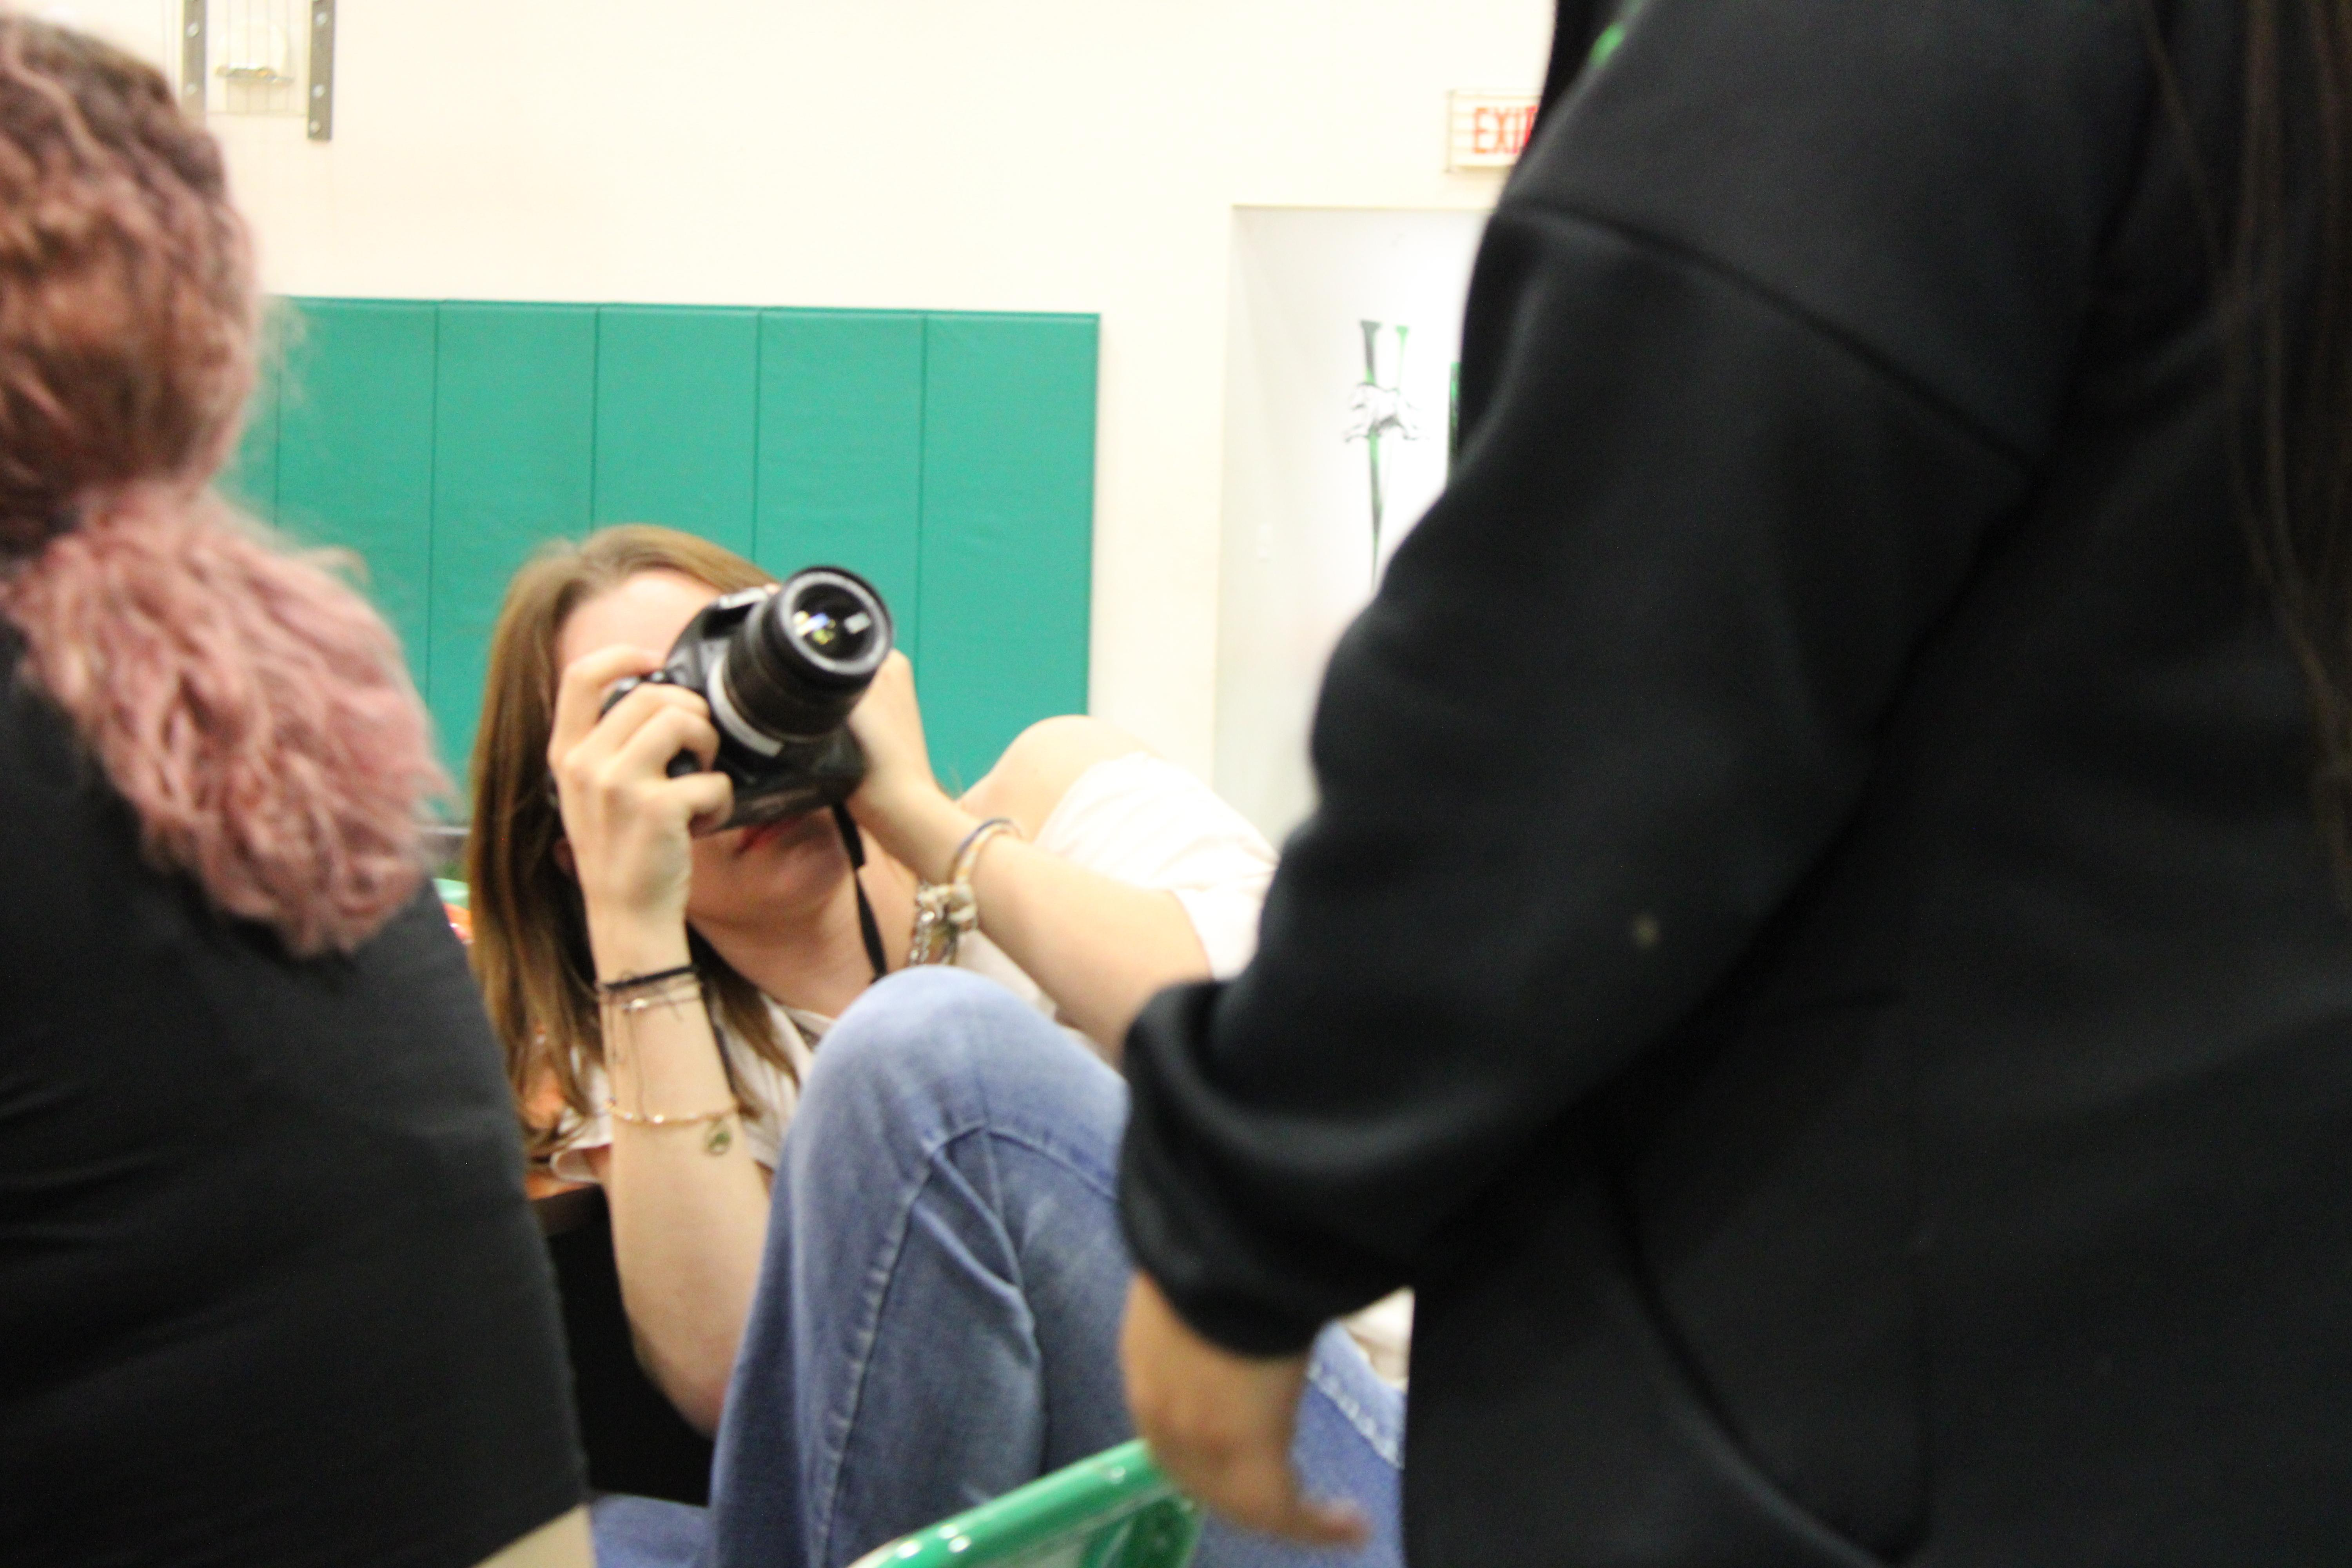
781	665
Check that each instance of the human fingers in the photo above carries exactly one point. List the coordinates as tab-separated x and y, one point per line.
709	799
1247	1477
628	821
580	691
889	720
667	726
698	801
611	789
600	758
899	795
1220	1424
615	775
1259	1490
895	675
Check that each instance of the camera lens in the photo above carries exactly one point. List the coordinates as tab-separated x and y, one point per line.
798	664
834	624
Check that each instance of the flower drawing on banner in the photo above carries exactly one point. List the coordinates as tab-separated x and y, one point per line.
1378	408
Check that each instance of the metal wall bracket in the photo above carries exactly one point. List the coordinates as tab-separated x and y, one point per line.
192	56
320	109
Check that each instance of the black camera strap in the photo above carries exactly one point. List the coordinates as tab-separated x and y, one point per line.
855	842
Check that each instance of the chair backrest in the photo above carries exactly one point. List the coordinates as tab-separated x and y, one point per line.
1114	1511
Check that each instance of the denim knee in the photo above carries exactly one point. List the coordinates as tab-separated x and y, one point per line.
918	1035
929	1054
915	1000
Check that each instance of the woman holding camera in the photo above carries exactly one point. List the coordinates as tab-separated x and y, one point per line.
269	1290
936	1318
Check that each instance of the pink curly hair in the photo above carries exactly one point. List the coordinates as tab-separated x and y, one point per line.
250	707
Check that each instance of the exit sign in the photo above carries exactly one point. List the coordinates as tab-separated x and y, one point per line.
1488	130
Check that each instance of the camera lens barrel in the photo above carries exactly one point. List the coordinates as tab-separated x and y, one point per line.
797	665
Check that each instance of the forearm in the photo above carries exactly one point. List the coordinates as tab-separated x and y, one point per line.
688	1223
1100	948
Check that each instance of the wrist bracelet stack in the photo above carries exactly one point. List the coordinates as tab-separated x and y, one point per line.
632	994
944	914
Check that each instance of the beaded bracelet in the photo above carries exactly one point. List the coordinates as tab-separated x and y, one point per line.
944	914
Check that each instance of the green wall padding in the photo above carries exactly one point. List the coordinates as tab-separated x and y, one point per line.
355	450
1008	520
841	451
677	395
514	451
949	457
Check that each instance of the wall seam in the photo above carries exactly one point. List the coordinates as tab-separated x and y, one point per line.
758	543
922	464
433	512
595	408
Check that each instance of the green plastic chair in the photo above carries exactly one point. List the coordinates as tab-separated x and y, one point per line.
1114	1511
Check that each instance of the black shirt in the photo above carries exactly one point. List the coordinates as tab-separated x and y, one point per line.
1814	955
269	1289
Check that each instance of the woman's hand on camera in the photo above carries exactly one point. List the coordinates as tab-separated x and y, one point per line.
630	825
901	802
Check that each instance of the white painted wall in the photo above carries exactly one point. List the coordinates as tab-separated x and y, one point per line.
1297	562
1017	154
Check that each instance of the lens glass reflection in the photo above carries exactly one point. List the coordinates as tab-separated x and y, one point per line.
833	623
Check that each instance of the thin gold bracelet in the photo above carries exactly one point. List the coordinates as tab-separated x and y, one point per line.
717	1140
655	1119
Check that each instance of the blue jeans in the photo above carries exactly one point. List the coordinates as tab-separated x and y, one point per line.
938	1313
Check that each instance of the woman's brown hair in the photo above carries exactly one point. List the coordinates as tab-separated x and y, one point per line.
531	928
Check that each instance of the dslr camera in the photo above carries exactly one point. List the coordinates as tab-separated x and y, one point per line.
782	666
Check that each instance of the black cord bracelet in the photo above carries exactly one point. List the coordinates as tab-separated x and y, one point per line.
608	989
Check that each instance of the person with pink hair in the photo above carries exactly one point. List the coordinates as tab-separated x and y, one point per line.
269	1289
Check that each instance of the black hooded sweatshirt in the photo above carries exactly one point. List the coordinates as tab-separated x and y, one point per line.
1814	956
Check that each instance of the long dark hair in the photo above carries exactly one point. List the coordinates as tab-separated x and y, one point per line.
2287	317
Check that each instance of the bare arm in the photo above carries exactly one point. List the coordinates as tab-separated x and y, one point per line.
1099	947
689	1210
561	1542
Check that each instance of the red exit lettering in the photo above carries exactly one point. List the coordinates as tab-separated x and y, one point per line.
1501	131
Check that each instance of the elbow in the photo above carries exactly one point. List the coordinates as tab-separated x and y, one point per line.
701	1407
695	1387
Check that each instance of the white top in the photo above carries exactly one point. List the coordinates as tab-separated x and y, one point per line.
1138	819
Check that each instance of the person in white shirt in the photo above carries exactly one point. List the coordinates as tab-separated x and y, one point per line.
1120	874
